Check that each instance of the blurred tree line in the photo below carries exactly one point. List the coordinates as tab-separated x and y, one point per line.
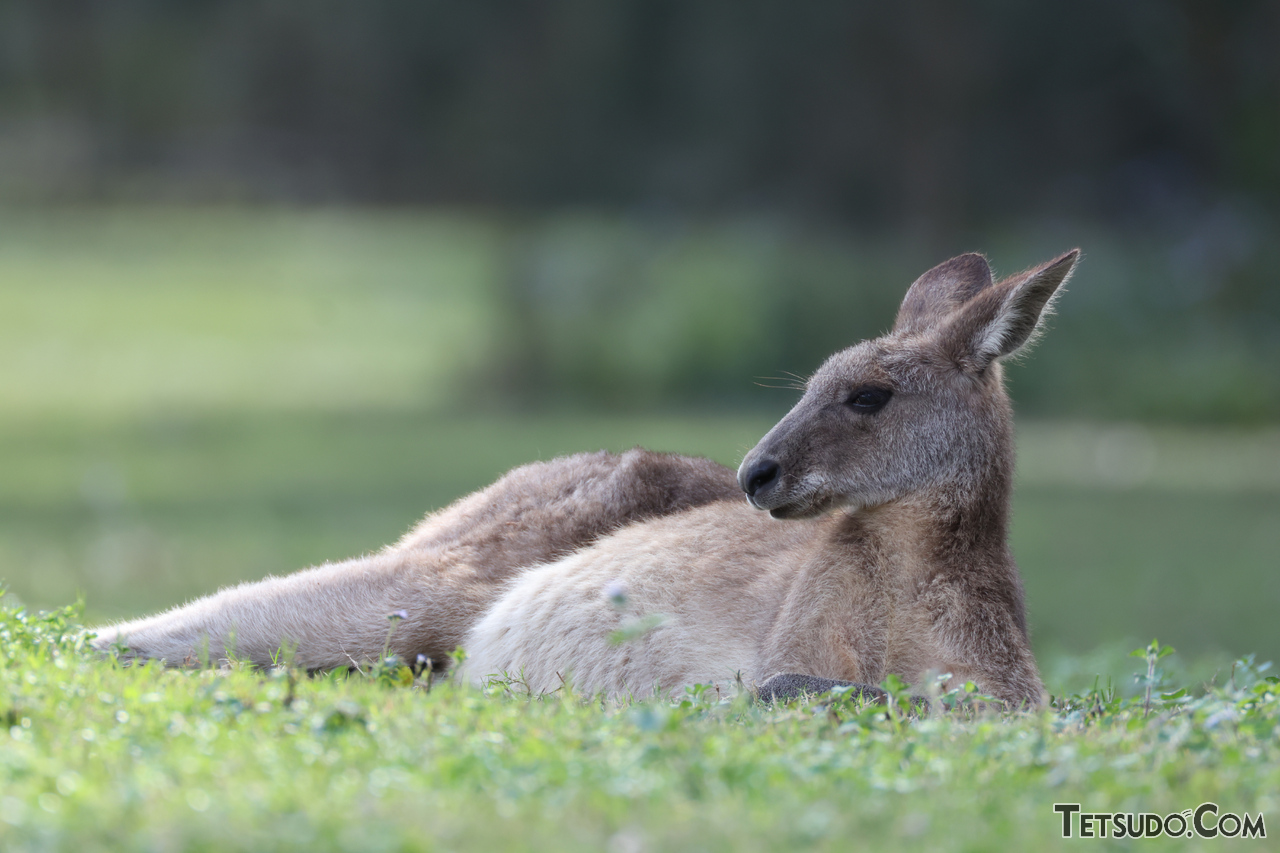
870	112
949	126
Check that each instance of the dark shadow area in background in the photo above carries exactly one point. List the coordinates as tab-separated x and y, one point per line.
1144	131
919	115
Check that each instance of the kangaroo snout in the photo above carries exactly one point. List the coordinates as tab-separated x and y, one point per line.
759	478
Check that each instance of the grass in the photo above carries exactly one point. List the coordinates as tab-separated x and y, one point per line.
113	313
104	757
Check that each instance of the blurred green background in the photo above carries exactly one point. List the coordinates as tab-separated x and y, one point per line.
276	278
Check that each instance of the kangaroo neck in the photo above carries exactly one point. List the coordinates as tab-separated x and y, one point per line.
947	529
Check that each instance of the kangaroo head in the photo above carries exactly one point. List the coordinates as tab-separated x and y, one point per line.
920	409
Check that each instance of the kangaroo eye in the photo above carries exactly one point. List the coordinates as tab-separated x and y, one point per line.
868	400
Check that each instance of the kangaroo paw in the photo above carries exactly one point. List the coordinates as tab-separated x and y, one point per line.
790	685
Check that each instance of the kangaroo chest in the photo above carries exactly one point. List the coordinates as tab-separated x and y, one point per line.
854	612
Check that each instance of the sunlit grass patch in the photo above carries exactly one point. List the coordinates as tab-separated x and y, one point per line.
98	756
120	313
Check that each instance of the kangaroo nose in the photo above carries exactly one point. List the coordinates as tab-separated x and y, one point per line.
762	475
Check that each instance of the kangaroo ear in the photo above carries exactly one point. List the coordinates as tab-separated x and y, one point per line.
937	293
1005	317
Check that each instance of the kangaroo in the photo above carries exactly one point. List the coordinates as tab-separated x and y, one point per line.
882	548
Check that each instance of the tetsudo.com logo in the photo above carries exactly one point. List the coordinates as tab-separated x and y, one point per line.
1204	821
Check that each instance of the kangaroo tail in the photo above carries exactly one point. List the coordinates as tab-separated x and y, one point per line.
335	615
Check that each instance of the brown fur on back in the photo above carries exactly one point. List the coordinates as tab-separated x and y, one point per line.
536	514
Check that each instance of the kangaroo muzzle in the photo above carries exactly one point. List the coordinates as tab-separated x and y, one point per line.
759	479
